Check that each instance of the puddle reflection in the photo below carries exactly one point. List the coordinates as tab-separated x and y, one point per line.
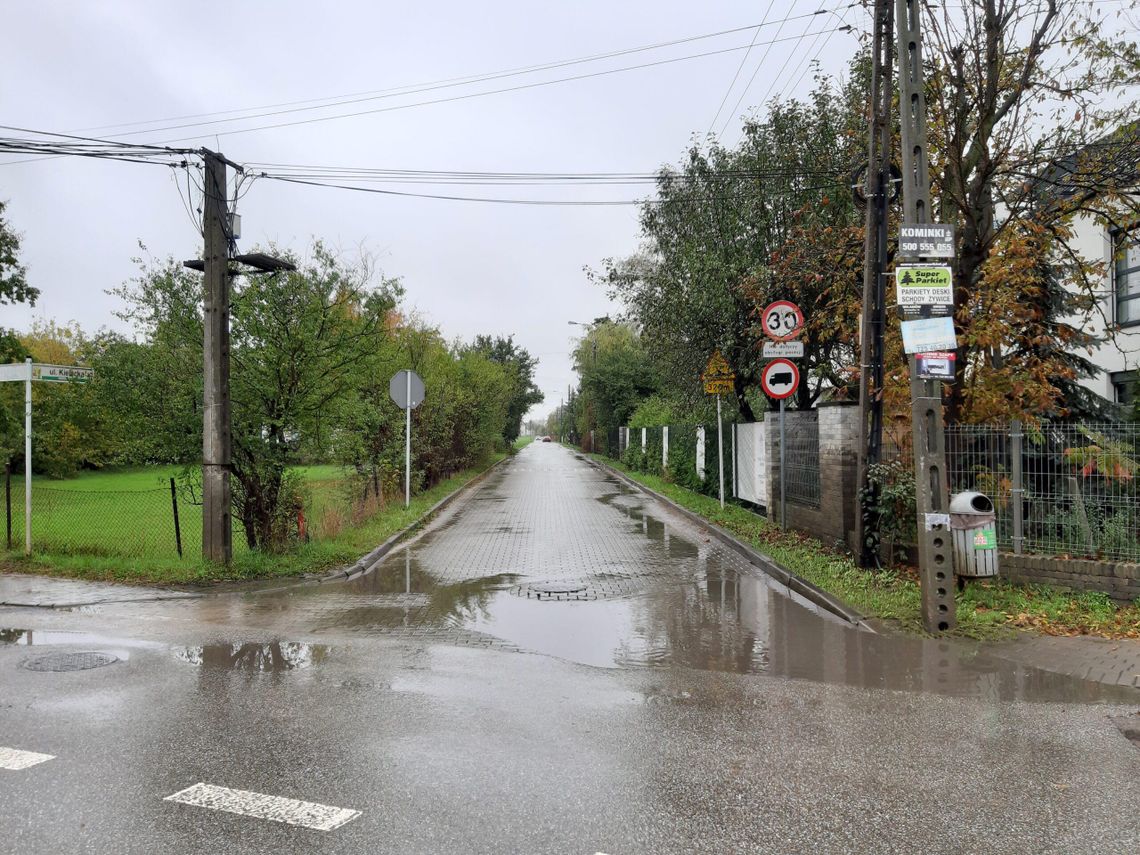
661	599
274	656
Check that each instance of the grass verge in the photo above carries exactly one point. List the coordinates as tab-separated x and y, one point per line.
986	610
313	557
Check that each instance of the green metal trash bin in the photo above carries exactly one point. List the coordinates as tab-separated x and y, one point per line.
973	525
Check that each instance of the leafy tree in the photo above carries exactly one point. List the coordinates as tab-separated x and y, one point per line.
616	374
520	366
734	229
298	342
1032	127
14	287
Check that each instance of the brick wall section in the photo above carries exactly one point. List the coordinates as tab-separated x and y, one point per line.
834	520
1119	580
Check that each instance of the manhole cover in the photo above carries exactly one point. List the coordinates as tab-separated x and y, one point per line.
558	587
69	661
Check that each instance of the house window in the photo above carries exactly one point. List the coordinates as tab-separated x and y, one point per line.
1123	386
1126	269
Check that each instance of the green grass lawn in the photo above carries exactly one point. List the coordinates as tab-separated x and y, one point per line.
986	610
523	442
119	525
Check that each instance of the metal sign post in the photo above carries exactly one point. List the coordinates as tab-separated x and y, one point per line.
719	379
779	379
406	389
408	446
720	450
26	373
28	458
783	479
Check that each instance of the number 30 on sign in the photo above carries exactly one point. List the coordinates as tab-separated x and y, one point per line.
782	320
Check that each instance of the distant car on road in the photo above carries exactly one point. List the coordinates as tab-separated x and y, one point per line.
545	438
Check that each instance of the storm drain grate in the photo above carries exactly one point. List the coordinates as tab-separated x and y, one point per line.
69	661
571	591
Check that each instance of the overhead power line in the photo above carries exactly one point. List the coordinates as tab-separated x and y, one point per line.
287	107
505	201
467	96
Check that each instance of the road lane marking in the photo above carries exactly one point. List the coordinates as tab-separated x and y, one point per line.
261	806
14	758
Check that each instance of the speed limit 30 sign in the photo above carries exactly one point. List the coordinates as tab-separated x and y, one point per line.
782	320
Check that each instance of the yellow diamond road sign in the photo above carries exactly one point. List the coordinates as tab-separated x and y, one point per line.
719	378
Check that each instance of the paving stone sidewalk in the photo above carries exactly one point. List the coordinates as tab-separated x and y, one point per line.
1116	662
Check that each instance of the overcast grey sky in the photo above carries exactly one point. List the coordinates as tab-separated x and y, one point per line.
468	267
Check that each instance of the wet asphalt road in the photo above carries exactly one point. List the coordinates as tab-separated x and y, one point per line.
671	700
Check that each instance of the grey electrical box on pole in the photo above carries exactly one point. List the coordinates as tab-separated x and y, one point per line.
406	389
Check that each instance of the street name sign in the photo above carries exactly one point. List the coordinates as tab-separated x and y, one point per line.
26	372
14	371
719	378
926	240
780	379
782	320
928	335
45	372
924	290
783	350
403	392
61	373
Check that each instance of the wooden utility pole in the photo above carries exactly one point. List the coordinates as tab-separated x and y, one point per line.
936	566
874	265
216	528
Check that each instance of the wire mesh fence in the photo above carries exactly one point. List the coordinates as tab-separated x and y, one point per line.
111	523
801	460
1059	489
165	523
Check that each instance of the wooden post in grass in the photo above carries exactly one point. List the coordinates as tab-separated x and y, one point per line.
177	527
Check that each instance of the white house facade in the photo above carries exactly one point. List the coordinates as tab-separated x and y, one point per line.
1118	306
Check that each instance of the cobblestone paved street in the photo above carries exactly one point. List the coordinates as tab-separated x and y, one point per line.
554	664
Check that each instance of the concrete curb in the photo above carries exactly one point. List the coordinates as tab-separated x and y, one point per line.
801	586
368	562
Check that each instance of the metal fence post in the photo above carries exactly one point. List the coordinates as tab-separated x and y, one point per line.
8	500
1017	492
177	527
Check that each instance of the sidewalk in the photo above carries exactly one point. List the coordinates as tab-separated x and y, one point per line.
27	590
1115	662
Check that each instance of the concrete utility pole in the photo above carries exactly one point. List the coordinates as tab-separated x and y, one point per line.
216	528
935	560
874	264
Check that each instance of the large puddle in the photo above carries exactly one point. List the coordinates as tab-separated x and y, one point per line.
664	597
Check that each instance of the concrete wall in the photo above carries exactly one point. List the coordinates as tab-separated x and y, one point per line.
1119	580
834	520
